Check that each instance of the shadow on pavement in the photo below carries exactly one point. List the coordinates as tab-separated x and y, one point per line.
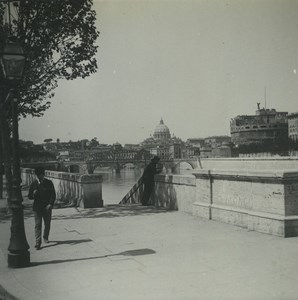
67	242
136	252
112	211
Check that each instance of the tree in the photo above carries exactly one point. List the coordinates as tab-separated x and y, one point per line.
48	140
58	38
94	142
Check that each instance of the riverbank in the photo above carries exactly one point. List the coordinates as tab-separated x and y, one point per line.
135	252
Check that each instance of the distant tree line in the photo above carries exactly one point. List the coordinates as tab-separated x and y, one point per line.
35	153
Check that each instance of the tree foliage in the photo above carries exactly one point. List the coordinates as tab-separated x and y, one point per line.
47	140
58	37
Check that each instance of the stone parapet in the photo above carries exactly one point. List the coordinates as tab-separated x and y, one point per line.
250	163
265	201
71	189
175	192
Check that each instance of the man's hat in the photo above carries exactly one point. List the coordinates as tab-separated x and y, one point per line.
39	170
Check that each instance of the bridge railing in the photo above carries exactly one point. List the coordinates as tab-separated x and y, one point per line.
135	194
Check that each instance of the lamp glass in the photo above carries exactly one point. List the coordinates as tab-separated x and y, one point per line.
13	61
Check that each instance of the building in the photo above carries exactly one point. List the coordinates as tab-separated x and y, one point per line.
224	150
162	144
162	133
196	142
267	127
293	126
217	141
175	150
135	147
213	146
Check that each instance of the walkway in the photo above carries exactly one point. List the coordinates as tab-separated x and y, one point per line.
135	252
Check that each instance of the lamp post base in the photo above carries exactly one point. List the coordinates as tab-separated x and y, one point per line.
19	260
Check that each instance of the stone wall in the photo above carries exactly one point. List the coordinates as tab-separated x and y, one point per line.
175	192
250	163
264	201
71	189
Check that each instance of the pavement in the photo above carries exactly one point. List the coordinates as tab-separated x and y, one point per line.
134	252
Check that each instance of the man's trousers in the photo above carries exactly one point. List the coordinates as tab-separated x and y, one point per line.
46	215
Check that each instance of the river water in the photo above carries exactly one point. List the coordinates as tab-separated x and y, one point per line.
116	186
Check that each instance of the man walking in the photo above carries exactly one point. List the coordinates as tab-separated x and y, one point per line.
43	193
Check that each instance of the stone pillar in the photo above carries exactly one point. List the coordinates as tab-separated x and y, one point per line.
202	205
91	191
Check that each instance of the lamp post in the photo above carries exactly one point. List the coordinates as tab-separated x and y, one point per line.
13	62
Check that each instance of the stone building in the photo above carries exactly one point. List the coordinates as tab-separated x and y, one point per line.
224	150
162	133
162	143
293	126
217	141
175	150
212	146
266	126
196	142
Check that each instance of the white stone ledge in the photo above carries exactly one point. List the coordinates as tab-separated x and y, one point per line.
279	158
197	203
248	175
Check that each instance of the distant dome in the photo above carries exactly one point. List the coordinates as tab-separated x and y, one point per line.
162	132
161	128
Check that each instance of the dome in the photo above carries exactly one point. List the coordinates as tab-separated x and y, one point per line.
162	131
161	128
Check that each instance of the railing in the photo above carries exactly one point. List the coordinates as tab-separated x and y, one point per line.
71	189
135	194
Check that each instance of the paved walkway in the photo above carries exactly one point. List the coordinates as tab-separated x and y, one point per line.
135	252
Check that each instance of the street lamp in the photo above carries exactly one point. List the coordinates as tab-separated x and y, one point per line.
13	62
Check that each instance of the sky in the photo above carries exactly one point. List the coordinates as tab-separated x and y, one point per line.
196	64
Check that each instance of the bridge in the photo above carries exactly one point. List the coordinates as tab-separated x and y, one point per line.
85	162
118	163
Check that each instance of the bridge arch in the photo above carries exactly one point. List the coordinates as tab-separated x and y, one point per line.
177	165
93	167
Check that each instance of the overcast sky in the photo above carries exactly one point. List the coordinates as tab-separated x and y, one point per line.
196	64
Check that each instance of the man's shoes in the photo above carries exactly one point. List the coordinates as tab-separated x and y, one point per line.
37	246
46	240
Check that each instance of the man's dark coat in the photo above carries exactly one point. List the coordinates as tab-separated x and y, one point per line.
45	194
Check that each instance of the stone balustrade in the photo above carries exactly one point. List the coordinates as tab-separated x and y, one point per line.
71	189
264	201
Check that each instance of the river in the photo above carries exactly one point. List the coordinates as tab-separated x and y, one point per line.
116	186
